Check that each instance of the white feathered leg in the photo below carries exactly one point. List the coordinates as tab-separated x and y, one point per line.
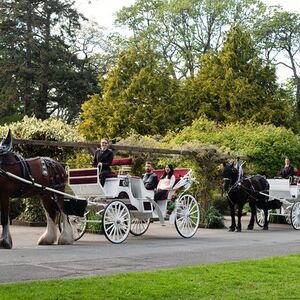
66	236
49	237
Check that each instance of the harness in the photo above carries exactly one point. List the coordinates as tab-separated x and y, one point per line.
249	191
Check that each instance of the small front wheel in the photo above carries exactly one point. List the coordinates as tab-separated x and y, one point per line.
78	225
295	215
139	226
260	217
116	222
187	216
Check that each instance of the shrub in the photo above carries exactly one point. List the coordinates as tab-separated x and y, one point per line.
213	218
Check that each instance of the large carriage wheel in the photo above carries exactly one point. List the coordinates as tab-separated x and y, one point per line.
78	225
295	215
187	216
260	217
116	222
139	226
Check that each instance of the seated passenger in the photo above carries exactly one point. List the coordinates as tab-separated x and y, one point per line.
105	157
165	183
149	178
288	170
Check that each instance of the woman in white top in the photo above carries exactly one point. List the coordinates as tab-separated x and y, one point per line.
165	183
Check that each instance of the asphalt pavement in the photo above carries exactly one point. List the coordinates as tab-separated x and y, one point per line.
159	248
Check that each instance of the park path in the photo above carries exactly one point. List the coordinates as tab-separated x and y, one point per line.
160	247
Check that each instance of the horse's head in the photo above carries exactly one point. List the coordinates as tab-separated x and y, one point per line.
230	175
6	144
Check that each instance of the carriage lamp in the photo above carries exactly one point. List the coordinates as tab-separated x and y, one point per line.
124	182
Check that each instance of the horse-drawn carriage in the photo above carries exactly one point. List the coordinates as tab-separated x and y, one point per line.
266	197
126	206
287	191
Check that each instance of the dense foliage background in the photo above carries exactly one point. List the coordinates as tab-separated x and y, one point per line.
193	74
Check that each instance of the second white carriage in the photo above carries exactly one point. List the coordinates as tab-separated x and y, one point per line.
287	191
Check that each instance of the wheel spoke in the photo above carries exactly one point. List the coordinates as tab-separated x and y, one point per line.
187	217
116	222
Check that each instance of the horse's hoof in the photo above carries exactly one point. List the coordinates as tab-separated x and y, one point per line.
238	230
265	228
231	229
250	227
5	244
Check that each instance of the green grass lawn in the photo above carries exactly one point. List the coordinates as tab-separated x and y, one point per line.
272	278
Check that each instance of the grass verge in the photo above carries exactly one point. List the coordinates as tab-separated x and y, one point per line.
271	278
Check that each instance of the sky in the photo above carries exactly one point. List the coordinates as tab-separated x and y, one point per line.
103	11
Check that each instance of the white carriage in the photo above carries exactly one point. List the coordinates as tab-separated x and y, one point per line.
127	207
287	191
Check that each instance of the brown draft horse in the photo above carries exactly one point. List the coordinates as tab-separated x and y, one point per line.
41	170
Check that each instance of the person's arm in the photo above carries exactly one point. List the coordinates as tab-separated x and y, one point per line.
151	182
95	162
172	182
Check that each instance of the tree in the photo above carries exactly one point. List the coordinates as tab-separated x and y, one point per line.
184	30
138	94
279	35
40	74
234	84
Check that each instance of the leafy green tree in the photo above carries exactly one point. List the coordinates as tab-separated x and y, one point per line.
184	30
234	84
279	35
138	94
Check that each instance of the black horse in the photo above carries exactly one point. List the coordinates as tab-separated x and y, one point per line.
252	189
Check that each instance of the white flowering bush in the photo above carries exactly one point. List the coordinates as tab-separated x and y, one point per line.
31	128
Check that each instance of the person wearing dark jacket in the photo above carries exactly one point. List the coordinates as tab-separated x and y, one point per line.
149	178
103	156
288	170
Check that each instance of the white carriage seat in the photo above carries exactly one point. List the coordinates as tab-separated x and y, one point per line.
85	182
281	188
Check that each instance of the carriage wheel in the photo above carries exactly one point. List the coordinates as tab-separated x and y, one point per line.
260	217
116	222
139	226
187	216
288	219
295	215
78	225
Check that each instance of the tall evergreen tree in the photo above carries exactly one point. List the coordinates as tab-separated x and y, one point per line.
138	94
39	72
234	84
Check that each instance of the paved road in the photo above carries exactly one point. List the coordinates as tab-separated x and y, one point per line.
160	247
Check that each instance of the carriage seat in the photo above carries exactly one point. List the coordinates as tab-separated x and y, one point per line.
124	161
85	182
178	173
280	188
86	176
